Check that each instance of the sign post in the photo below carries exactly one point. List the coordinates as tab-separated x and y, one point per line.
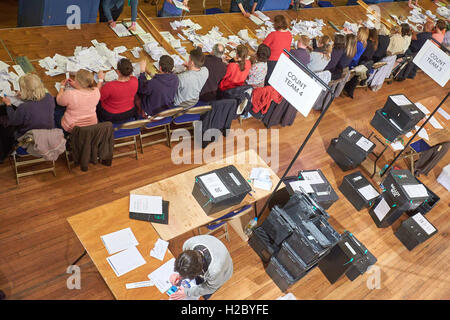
289	67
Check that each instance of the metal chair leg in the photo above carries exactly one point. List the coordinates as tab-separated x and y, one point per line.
142	146
168	136
135	147
15	168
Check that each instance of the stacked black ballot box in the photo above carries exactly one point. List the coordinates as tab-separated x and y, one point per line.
386	126
320	188
297	236
350	148
358	190
220	189
415	230
401	192
428	204
402	111
349	256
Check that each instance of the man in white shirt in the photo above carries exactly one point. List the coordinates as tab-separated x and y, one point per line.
192	80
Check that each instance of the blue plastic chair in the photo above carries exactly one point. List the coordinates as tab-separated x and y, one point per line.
213	10
159	124
191	114
125	134
222	222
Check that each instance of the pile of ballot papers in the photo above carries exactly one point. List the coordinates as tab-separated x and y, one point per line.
95	58
352	27
260	178
443	11
253	43
416	16
9	81
312	29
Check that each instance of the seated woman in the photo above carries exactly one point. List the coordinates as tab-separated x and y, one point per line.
302	53
361	44
383	43
117	97
237	70
346	58
77	106
439	31
158	93
396	43
258	71
36	112
321	56
336	55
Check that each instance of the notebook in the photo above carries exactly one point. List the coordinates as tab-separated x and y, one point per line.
162	218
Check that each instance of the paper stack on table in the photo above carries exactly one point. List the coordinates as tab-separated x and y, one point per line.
261	178
256	20
160	276
121	30
312	29
261	16
3	66
159	249
139	29
8	79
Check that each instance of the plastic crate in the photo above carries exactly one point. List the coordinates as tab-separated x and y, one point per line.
262	244
279	274
291	261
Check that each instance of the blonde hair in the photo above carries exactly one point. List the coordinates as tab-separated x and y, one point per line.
350	49
383	30
363	35
305	40
85	79
31	88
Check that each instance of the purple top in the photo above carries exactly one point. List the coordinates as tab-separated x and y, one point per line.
32	115
302	55
157	93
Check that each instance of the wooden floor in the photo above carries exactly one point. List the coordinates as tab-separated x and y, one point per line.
37	244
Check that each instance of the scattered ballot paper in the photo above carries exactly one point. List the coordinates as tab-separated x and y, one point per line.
397	146
423	133
119	240
422	108
3	66
261	178
121	30
444	114
160	276
435	123
159	250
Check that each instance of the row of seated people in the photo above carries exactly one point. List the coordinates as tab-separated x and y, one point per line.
87	102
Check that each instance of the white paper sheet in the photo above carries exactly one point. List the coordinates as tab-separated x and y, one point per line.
119	240
435	123
264	185
422	108
400	100
409	134
423	223
141	284
160	276
397	146
364	143
145	204
121	30
139	29
313	177
423	133
126	261
180	5
3	66
415	190
444	114
214	185
256	20
296	185
381	209
18	69
368	192
111	76
159	250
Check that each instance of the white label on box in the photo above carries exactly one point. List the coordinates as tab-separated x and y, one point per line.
311	238
357	178
381	209
415	190
368	192
214	185
400	100
354	239
303	184
312	177
364	144
424	224
322	193
234	178
350	248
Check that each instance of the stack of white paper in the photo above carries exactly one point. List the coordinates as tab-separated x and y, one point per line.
160	276
119	240
139	29
256	20
312	29
261	178
121	30
261	16
145	204
3	66
126	261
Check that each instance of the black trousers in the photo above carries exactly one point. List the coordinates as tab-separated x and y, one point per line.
270	66
104	115
115	13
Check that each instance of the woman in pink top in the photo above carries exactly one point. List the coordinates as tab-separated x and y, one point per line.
80	102
439	31
277	41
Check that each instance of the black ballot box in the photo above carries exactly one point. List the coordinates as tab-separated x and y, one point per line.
415	230
220	189
403	190
358	190
428	204
262	244
341	159
354	145
323	192
349	257
303	206
282	278
292	262
386	126
277	225
405	113
306	246
384	212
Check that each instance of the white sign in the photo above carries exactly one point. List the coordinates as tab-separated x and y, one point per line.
434	62
295	85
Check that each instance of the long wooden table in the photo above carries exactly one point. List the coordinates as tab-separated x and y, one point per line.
90	225
185	214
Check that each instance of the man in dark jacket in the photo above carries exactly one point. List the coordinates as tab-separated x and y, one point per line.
217	70
158	94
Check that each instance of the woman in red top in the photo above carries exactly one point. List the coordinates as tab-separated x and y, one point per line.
277	41
117	97
237	70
